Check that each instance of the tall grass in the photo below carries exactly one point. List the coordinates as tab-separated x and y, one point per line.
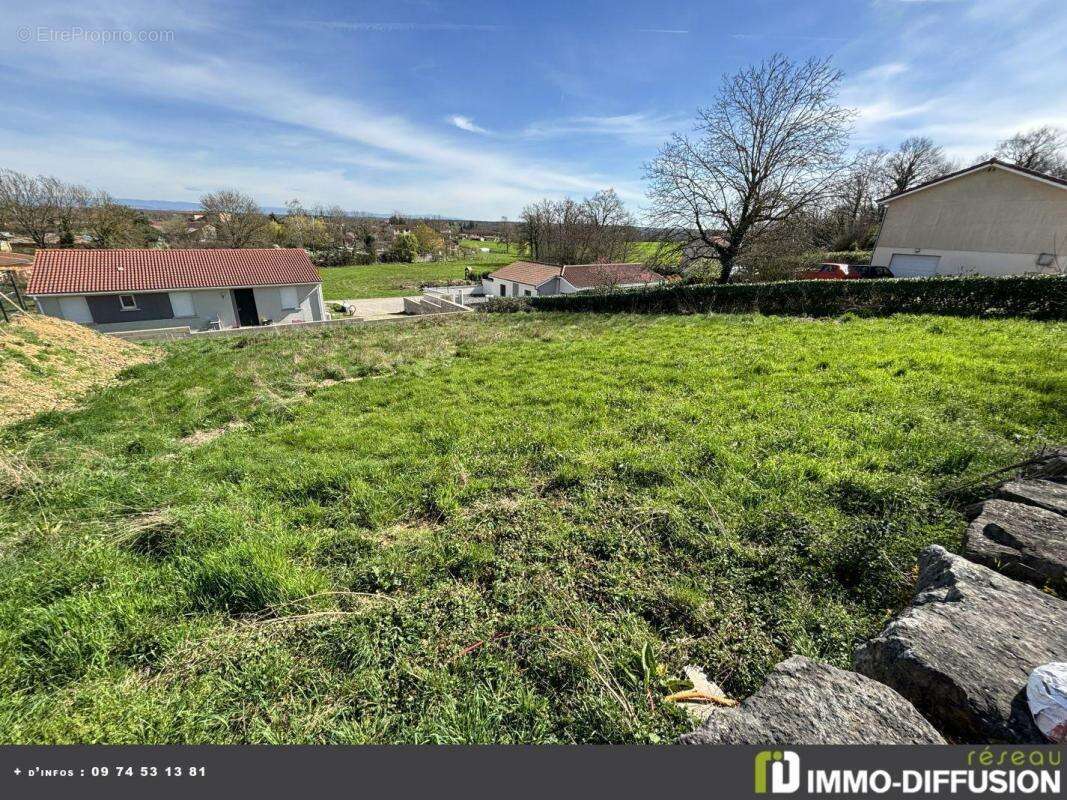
494	529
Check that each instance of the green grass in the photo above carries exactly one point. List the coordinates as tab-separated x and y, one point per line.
489	529
396	280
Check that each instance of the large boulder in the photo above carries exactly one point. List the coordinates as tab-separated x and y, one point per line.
964	648
1024	542
1050	495
808	702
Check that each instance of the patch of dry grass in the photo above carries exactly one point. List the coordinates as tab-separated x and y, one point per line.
48	363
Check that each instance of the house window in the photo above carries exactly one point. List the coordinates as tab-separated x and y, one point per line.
128	302
503	290
527	292
289	299
181	303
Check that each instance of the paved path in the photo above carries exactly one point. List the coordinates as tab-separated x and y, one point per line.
376	307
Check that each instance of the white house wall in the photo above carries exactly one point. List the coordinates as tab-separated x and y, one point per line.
308	308
210	305
964	262
514	288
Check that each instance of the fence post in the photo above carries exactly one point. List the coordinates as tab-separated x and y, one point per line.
15	286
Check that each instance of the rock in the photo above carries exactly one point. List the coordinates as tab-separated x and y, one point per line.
1023	542
1052	464
964	649
809	702
1050	495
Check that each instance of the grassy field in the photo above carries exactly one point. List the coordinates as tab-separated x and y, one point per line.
508	528
395	280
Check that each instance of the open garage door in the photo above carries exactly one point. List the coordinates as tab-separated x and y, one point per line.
906	265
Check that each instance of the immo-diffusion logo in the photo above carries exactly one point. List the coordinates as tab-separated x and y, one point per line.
784	769
1018	771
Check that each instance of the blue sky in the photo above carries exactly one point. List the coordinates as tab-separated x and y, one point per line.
474	109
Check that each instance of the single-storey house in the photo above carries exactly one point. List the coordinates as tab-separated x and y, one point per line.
123	290
989	219
530	279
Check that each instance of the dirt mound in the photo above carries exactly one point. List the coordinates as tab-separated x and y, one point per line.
47	363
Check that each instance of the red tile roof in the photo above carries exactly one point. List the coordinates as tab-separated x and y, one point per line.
588	276
580	276
102	271
528	272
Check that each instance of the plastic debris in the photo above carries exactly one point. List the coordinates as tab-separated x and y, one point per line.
1046	693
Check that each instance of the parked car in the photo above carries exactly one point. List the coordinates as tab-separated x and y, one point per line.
830	271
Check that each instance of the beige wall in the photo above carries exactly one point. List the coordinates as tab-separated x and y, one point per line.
990	211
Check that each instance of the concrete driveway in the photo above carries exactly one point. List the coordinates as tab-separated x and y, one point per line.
376	307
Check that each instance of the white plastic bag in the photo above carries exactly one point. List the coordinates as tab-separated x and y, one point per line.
1046	692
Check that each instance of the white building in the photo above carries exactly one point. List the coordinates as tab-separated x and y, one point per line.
989	219
125	290
530	279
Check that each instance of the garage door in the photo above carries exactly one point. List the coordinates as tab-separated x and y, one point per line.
906	265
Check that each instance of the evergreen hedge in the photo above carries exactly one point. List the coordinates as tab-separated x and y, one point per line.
1034	297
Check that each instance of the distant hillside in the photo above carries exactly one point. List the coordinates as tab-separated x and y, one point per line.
47	363
181	205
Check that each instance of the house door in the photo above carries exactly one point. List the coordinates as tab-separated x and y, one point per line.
245	300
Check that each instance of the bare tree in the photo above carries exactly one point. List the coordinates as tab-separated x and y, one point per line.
598	228
110	224
916	161
770	146
607	230
238	221
851	217
1042	149
505	233
41	206
177	231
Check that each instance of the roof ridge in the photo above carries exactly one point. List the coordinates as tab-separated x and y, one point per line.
114	270
989	162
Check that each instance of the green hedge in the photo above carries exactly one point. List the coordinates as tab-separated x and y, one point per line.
1037	297
848	256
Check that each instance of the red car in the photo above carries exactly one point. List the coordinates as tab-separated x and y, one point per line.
829	271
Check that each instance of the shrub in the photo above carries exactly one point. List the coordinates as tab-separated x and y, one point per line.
332	257
405	248
849	256
509	305
1037	297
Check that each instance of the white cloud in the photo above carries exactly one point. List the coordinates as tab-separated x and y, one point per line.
466	124
460	178
398	27
883	71
639	128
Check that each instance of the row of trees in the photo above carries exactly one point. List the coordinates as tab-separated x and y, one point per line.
50	211
767	170
54	213
598	228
